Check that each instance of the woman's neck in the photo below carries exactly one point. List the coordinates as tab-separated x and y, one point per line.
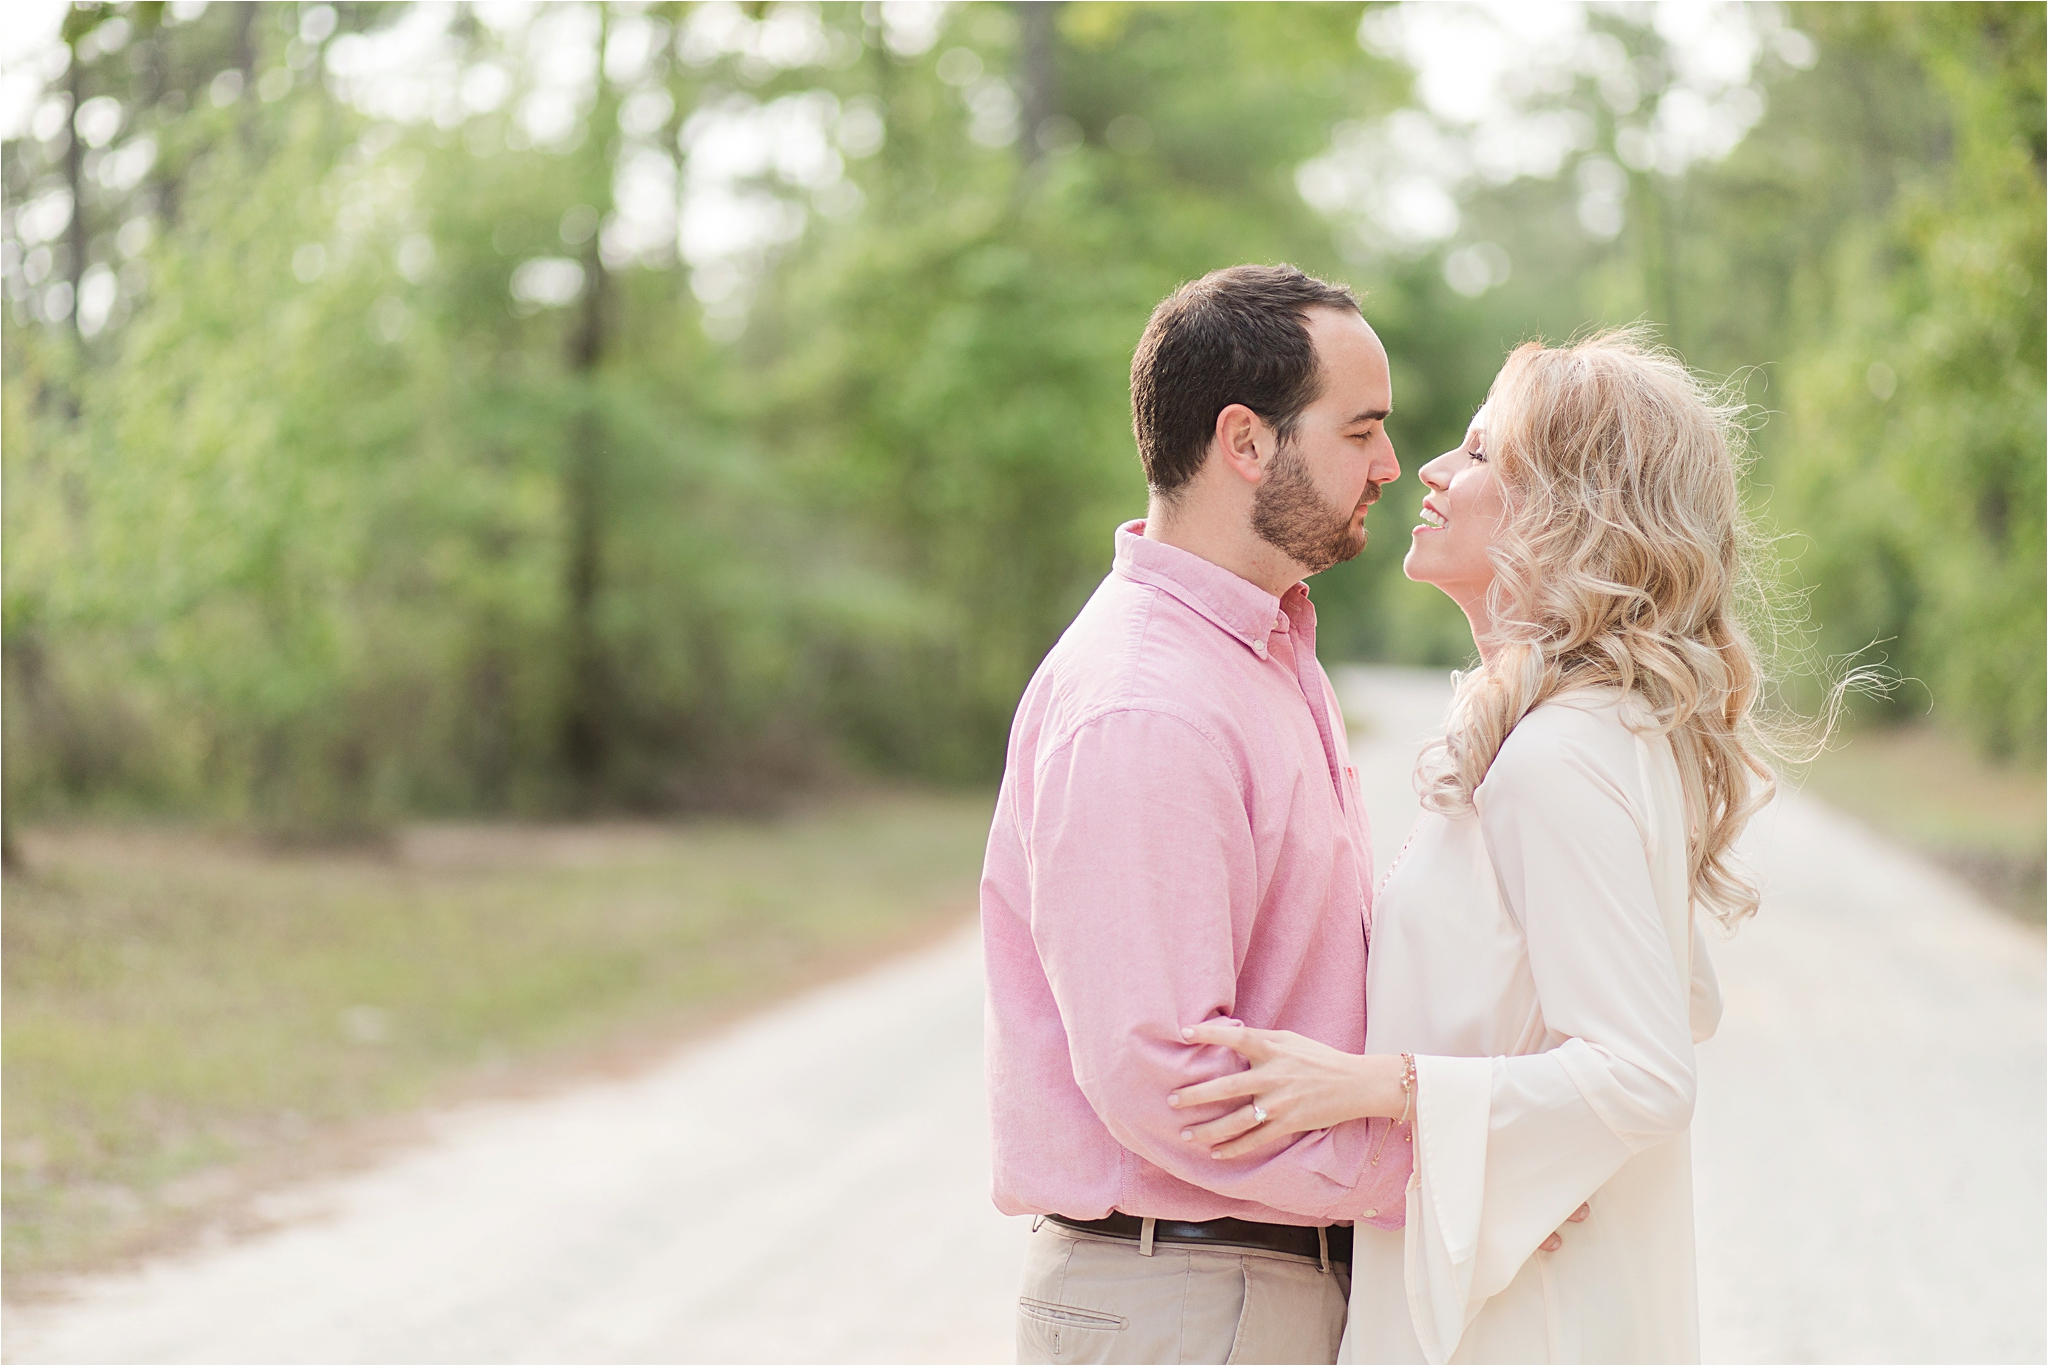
1481	622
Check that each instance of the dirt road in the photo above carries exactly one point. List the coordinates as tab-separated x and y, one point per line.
812	1185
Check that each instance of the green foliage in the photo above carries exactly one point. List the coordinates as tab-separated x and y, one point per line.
958	378
1915	451
317	524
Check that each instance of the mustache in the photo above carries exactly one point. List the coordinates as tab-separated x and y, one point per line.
1372	494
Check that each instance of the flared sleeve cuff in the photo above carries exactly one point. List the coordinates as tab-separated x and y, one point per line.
1446	1198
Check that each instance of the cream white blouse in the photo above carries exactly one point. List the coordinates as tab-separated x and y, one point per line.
1540	957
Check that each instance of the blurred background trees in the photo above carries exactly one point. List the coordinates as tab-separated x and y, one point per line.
575	407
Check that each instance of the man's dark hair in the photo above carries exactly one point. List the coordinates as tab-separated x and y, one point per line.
1234	336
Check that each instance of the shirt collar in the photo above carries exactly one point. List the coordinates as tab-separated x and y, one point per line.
1239	606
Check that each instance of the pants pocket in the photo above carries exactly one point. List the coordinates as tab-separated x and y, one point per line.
1061	1332
1067	1316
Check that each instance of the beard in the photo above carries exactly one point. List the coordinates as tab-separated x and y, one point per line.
1289	514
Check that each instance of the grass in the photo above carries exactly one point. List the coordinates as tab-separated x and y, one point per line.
1928	790
180	1007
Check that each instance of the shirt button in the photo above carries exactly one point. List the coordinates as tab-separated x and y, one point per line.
1259	648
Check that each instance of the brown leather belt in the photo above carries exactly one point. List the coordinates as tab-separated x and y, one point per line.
1289	1238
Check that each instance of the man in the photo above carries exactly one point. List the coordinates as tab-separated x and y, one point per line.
1180	837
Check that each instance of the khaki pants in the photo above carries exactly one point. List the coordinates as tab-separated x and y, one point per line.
1091	1298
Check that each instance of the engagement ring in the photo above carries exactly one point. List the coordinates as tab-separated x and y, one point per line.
1258	1112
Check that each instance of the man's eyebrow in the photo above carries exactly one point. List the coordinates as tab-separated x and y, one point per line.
1370	415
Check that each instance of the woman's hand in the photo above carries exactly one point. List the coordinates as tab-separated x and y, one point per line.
1556	1240
1301	1085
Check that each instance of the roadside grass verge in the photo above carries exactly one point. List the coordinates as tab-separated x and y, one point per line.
182	1007
1984	821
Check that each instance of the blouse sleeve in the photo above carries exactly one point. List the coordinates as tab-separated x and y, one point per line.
1706	989
1507	1147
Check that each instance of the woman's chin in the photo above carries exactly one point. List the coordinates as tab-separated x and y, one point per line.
1425	561
1459	588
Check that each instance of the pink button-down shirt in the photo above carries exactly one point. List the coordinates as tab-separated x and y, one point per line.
1179	838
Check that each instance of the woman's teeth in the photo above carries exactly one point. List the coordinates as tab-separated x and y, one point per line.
1431	518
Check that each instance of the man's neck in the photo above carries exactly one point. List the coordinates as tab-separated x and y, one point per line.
1225	540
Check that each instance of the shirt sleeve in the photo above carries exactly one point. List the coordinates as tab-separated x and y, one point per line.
1509	1146
1145	888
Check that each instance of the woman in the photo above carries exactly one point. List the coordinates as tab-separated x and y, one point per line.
1538	977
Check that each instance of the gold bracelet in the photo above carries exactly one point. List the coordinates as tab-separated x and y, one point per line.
1408	1095
1407	1105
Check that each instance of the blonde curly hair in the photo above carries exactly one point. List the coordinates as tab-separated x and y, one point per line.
1621	561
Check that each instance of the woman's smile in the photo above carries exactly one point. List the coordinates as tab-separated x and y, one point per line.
1461	513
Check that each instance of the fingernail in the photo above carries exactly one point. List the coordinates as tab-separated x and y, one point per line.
1173	1099
1187	1133
1215	1156
1187	1033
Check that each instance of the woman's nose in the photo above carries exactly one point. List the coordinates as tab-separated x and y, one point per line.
1432	474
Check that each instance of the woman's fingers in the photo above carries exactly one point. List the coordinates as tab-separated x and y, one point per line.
1253	1139
1232	1087
1249	1043
1234	1125
1556	1240
1224	1034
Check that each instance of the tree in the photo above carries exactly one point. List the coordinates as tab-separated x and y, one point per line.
377	444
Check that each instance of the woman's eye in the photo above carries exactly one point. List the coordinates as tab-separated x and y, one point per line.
1478	454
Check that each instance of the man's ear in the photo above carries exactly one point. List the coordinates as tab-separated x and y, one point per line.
1240	436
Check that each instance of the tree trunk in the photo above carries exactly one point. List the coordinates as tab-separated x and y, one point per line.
74	180
1039	72
588	715
586	720
246	118
245	45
